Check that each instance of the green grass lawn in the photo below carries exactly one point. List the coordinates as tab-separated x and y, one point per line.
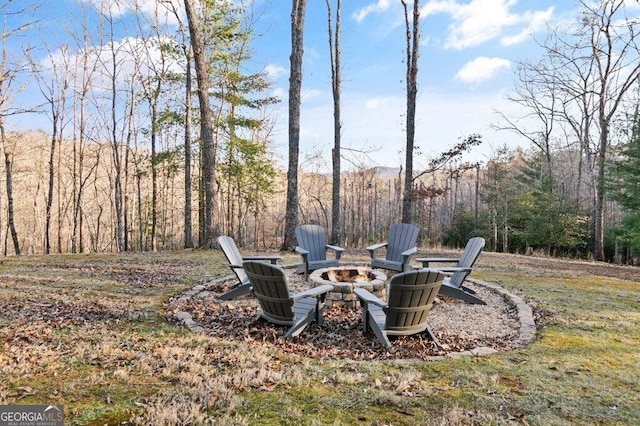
89	332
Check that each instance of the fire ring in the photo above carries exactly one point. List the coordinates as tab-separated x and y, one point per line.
345	279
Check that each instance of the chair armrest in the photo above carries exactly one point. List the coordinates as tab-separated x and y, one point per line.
426	260
313	292
375	247
410	251
302	251
368	297
272	259
236	267
454	269
338	250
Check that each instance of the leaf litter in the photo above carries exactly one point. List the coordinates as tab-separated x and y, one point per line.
457	325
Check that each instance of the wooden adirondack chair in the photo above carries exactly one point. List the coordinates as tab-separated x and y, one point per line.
313	247
230	250
400	246
452	285
411	296
269	286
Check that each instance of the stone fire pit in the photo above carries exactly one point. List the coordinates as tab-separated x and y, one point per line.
345	279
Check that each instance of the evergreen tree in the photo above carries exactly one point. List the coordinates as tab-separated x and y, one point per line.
242	128
624	187
552	222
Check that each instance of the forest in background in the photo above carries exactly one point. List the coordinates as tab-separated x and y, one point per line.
504	200
124	166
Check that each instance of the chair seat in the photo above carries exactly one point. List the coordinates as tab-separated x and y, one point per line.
386	264
323	264
460	293
299	308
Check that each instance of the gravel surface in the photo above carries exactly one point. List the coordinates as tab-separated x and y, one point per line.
457	325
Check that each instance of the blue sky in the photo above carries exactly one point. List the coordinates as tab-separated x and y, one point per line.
468	50
467	55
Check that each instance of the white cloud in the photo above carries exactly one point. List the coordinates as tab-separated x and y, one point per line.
537	20
275	71
481	69
439	6
473	22
134	57
381	6
478	21
150	8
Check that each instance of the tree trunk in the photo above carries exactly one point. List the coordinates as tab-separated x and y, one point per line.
188	236
295	86
52	153
154	169
9	184
116	154
206	126
413	46
599	213
334	50
139	210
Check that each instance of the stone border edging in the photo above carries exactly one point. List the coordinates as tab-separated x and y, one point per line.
525	313
526	333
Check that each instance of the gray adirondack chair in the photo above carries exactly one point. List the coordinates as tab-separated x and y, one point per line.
230	250
452	285
400	246
411	296
313	247
269	286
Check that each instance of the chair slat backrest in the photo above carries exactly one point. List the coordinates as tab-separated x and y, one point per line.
471	252
270	288
402	236
411	296
314	239
230	250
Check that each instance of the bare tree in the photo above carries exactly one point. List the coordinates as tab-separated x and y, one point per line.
10	68
187	51
8	167
616	57
590	73
334	50
413	53
156	48
295	85
111	57
535	91
85	67
54	82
